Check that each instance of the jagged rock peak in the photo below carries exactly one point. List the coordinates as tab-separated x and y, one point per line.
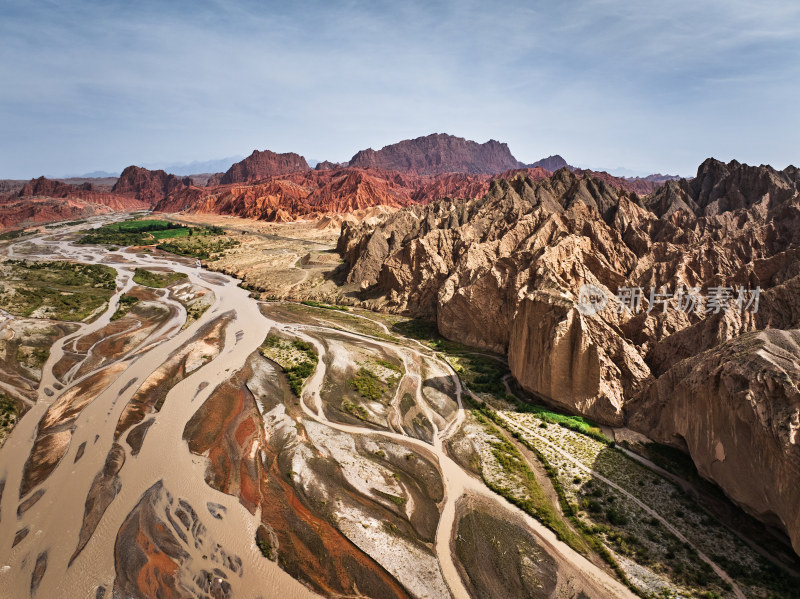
720	187
439	153
263	164
504	272
148	185
50	188
551	163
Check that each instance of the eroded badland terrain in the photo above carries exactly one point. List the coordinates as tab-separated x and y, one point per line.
404	402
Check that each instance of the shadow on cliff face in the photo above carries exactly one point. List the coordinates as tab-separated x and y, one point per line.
336	275
638	513
767	531
418	328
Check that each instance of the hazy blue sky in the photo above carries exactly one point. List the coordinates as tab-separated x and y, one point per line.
651	86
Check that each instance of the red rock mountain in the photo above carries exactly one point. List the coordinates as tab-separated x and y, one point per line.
355	189
148	186
16	212
49	188
439	153
551	163
641	187
327	165
260	165
271	186
296	195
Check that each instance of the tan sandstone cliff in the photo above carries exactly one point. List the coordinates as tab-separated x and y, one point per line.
503	272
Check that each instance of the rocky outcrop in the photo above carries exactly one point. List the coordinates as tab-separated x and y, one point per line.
45	187
274	201
638	186
439	153
450	185
354	189
551	163
736	410
503	272
10	187
325	191
214	180
44	200
260	165
148	186
327	165
575	361
17	213
659	178
412	171
50	188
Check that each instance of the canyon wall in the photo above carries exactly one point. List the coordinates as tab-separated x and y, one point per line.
503	272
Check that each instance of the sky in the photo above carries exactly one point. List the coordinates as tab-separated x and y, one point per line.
646	86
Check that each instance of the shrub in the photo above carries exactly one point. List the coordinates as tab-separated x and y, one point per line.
615	517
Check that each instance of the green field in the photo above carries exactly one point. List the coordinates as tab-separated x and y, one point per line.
57	290
144	232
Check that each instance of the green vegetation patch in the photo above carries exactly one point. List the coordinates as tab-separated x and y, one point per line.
12	234
389	365
588	534
205	245
126	302
482	374
58	290
195	310
8	416
297	358
573	423
367	384
395	499
427	332
149	278
314	304
533	499
374	386
417	328
144	232
356	410
32	357
265	547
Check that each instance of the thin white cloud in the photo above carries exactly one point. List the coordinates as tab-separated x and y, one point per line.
643	85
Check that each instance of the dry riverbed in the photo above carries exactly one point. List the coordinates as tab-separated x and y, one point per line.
181	438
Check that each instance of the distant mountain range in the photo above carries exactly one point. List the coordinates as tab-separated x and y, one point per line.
92	175
196	167
283	186
431	154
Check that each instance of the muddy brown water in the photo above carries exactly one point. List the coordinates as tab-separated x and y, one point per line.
55	520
